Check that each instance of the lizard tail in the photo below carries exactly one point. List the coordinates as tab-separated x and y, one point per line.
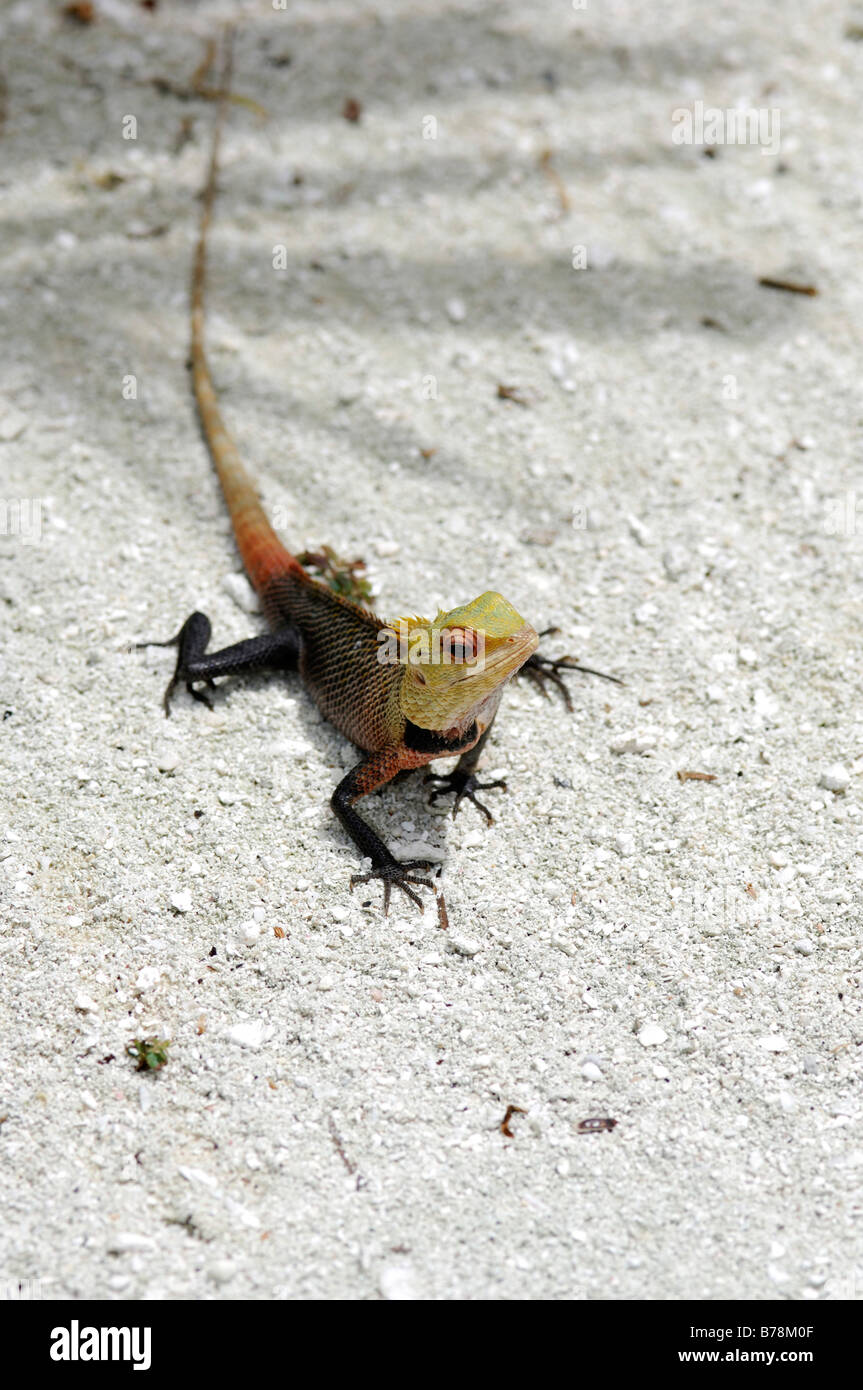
264	556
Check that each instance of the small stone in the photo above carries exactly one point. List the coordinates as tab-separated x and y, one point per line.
563	943
397	1282
747	656
652	1035
634	741
241	591
247	1034
250	931
227	798
456	310
804	946
777	859
197	1175
675	561
421	849
591	1072
126	1241
85	1005
464	945
167	760
645	615
182	902
835	778
774	1043
147	978
347	394
385	548
765	704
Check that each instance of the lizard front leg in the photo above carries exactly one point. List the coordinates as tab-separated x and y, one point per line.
462	781
543	671
272	650
374	771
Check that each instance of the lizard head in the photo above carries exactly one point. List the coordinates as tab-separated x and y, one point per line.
456	662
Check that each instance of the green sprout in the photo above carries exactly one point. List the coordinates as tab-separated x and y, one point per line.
151	1054
342	576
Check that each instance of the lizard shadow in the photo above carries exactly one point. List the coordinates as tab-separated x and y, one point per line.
333	747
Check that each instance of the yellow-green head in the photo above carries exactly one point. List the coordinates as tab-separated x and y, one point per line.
456	662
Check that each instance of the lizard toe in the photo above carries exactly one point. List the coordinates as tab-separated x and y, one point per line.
464	786
398	875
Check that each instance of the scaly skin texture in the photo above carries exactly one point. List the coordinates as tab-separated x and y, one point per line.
403	711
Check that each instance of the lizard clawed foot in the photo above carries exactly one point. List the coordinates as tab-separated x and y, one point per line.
395	873
464	786
543	671
195	694
191	643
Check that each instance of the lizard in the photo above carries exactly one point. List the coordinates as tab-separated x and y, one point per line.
435	696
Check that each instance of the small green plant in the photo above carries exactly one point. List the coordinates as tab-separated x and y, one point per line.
151	1054
342	576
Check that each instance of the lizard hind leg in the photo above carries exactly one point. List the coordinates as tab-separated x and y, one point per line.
274	650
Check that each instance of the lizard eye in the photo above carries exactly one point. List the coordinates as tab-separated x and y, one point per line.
460	643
